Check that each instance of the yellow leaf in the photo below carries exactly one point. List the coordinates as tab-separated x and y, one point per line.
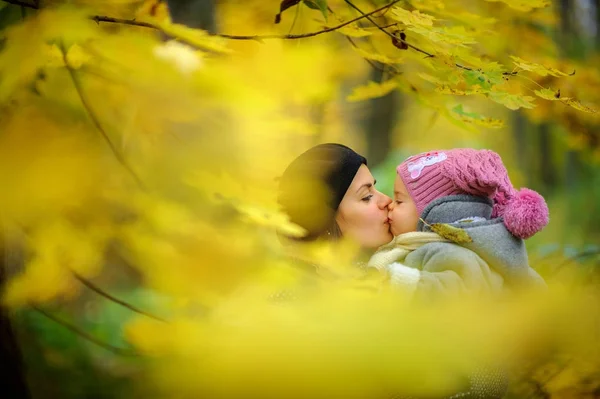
414	18
476	119
267	218
430	78
459	236
577	105
377	57
524	5
195	37
76	57
428	5
551	95
372	90
446	89
548	94
512	101
455	35
54	56
353	31
23	52
156	10
537	68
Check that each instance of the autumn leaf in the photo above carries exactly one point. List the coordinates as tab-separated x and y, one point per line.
412	18
511	101
476	119
154	10
537	68
76	56
551	95
524	5
377	57
577	105
353	31
455	234
399	40
372	90
285	4
548	94
195	37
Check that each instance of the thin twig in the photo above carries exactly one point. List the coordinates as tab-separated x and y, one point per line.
398	38
85	335
95	119
105	294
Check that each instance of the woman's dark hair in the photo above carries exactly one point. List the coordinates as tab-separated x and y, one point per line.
313	185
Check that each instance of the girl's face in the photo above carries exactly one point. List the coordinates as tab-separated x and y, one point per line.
403	213
363	214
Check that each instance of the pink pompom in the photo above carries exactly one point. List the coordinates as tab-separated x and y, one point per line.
526	213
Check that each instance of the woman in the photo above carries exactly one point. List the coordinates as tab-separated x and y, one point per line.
330	192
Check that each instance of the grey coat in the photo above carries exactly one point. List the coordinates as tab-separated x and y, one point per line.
496	261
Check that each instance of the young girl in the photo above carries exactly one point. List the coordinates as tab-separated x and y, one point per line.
470	191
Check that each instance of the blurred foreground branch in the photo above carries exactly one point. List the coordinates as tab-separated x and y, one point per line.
105	294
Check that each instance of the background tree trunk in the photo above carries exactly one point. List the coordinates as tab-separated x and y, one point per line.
382	115
198	14
13	381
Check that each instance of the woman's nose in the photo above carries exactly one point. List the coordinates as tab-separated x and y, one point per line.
384	201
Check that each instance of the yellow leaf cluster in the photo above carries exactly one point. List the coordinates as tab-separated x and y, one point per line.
58	250
412	18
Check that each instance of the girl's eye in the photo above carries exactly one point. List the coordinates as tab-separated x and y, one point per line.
367	198
398	202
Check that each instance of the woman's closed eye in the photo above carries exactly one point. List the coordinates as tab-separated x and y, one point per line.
367	198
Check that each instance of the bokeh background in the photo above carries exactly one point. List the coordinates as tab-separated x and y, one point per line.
138	170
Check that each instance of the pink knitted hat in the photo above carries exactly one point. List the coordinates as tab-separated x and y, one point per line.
436	174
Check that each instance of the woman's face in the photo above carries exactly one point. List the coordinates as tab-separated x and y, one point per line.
362	214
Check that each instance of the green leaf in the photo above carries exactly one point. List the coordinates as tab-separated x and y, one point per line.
477	78
320	5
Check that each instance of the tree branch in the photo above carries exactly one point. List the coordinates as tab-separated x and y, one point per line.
398	38
21	3
85	335
310	34
100	292
95	119
133	22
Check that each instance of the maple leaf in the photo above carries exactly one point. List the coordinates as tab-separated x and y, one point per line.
537	68
412	18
